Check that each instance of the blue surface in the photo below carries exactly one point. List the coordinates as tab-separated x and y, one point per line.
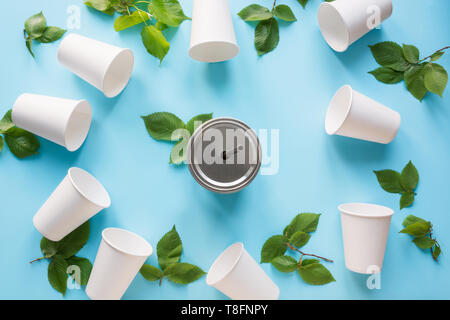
288	89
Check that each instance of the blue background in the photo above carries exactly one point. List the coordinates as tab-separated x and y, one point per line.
288	89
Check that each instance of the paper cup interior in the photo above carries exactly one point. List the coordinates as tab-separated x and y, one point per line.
78	126
338	109
333	28
366	210
225	263
118	73
89	187
127	242
214	51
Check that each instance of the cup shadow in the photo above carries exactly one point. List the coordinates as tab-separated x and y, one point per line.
218	75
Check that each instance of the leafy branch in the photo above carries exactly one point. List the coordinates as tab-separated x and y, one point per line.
155	15
169	251
21	143
295	236
402	63
422	231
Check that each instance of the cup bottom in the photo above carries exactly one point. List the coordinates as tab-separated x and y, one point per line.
214	51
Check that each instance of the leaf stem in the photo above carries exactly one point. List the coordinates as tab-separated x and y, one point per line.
140	14
41	258
445	48
274	4
307	254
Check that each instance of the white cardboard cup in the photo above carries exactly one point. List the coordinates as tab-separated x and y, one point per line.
76	199
62	121
106	67
352	114
212	32
236	274
342	22
365	229
119	258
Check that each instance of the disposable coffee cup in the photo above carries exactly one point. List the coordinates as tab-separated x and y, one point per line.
212	32
352	114
62	121
342	22
119	258
106	67
76	199
224	155
365	229
236	274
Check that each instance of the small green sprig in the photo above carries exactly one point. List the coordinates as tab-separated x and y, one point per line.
422	231
404	183
403	63
169	251
295	236
36	29
267	33
62	255
155	15
21	143
166	126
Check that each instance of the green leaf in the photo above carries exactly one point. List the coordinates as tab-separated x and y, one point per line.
299	239
409	177
284	263
436	252
29	44
197	121
6	122
303	3
168	12
178	154
389	180
415	82
315	273
435	78
85	269
411	53
306	262
183	273
35	25
406	199
411	219
73	242
151	273
266	36
169	249
424	242
1	143
255	12
161	125
387	75
21	143
306	222
417	229
436	56
285	13
128	21
57	274
51	34
154	42
161	26
48	248
389	54
100	5
274	247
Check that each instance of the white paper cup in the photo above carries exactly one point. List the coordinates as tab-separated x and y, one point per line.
365	229
76	199
342	22
62	121
119	258
236	274
106	67
212	33
352	114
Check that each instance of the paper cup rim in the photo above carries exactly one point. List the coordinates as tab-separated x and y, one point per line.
330	129
149	249
232	44
117	90
94	181
76	146
329	5
218	260
388	212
